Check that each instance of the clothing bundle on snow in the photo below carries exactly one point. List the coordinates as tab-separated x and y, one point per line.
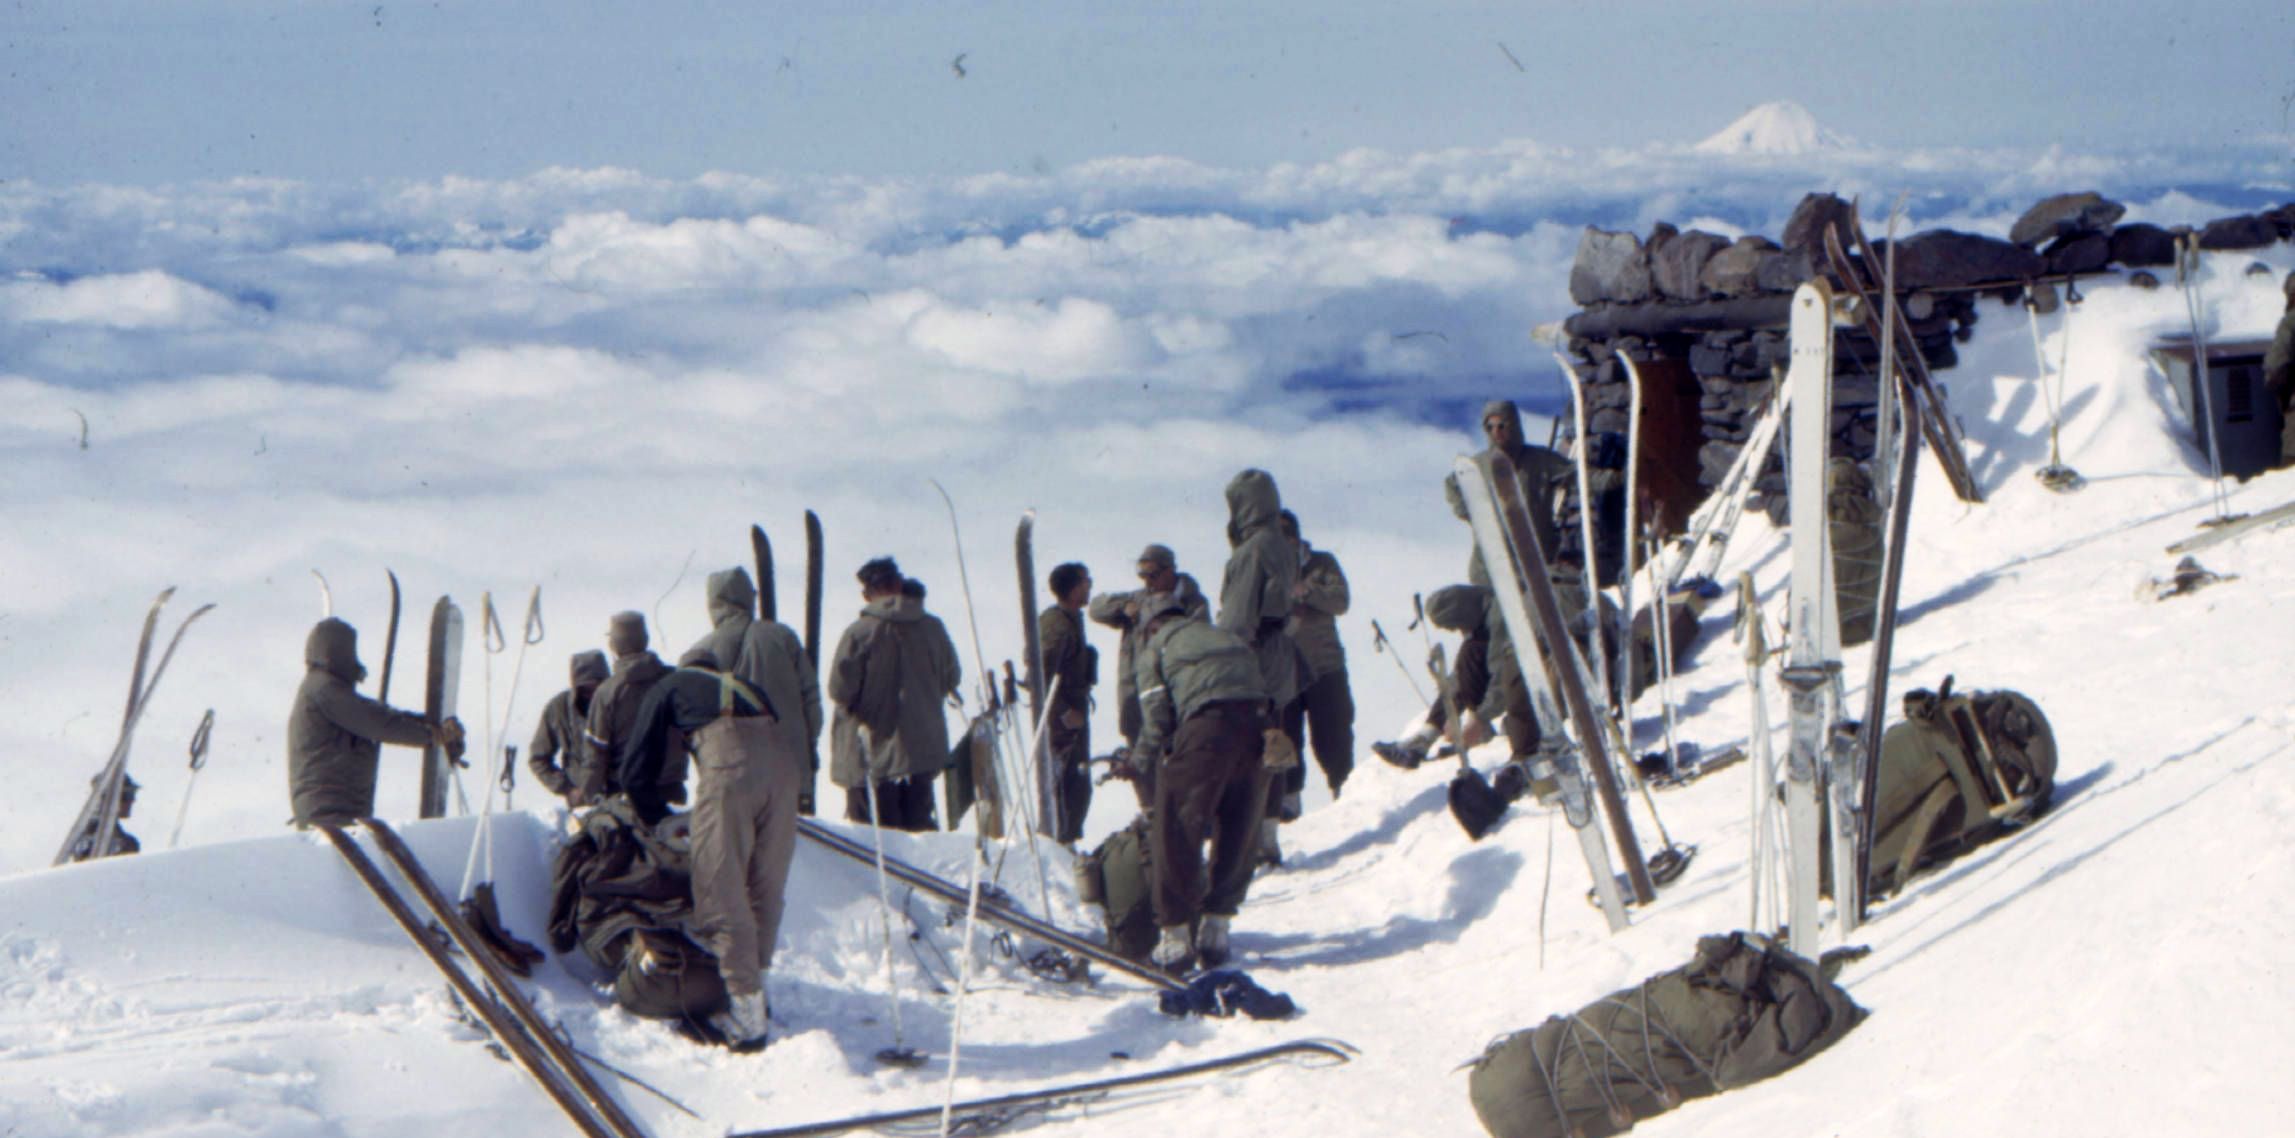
1740	1011
617	887
1963	768
1224	993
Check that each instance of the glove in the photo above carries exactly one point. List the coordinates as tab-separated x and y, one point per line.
1277	753
450	736
1473	732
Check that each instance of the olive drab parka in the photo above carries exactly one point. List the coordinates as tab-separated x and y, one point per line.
557	752
891	675
1315	615
1539	469
732	601
335	735
772	659
1121	611
1255	592
1184	664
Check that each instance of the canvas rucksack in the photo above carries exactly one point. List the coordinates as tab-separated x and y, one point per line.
1963	768
1118	878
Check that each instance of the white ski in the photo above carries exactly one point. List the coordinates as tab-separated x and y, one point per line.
1813	660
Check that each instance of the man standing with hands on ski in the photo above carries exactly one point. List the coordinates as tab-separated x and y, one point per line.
1158	573
335	735
744	818
1072	667
1203	702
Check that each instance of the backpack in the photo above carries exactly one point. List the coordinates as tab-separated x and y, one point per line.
1118	877
1963	768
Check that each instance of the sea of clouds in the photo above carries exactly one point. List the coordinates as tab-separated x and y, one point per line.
592	381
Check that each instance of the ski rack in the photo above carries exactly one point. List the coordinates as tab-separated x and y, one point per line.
988	1115
992	910
506	1012
1936	423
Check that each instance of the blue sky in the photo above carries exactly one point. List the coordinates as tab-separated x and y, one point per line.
140	92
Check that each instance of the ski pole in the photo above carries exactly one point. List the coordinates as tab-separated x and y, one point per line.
899	1053
529	636
490	632
1386	647
198	763
963	986
509	775
2188	250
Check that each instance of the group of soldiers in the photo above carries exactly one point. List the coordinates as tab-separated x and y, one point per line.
1213	711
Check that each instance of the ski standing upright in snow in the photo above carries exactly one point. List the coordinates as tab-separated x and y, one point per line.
1813	662
761	551
1048	797
442	679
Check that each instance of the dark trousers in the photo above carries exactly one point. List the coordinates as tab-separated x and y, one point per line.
1208	787
1071	769
902	804
1326	713
1471	674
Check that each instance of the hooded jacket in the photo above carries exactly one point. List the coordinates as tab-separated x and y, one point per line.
1539	469
732	600
1255	592
890	674
557	753
1315	615
1120	610
613	714
773	660
335	735
1185	665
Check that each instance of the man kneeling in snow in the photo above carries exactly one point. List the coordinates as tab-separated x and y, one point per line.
744	819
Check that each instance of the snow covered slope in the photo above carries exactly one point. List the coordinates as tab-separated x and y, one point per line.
2117	968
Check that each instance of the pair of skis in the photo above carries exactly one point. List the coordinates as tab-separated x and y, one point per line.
769	608
768	603
1827	751
1542	646
95	829
504	1010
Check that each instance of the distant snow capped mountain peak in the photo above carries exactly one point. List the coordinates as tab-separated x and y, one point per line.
1781	127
